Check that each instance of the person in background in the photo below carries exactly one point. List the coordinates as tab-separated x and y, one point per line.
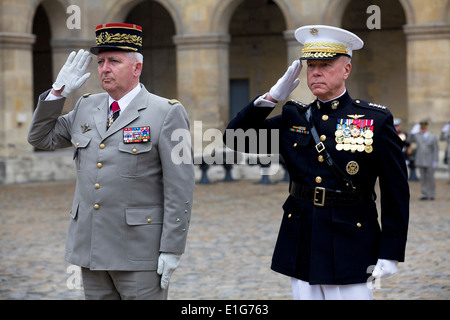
426	158
445	136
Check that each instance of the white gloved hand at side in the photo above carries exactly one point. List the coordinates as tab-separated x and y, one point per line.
385	268
287	83
72	74
167	263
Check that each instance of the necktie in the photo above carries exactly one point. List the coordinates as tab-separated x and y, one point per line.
115	111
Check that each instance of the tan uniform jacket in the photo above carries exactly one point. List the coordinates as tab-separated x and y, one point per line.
131	200
427	149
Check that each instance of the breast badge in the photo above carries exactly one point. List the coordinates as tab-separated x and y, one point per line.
352	167
136	134
354	135
299	129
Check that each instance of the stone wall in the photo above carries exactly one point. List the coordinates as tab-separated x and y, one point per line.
194	47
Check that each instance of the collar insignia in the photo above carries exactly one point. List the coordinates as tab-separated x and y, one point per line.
313	31
85	128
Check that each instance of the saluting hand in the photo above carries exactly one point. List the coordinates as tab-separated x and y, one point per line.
287	83
72	75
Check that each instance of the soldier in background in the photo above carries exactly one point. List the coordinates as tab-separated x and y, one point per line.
445	136
426	158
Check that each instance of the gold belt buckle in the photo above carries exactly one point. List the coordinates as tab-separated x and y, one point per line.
318	191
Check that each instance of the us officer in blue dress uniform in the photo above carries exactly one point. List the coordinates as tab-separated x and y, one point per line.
330	241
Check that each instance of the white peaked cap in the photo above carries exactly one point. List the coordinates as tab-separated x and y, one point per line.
326	42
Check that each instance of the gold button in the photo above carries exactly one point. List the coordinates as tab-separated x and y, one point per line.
320	158
295	144
323	138
318	179
357	101
325	117
96	206
102	146
149	220
99	165
134	150
289	215
358	225
96	186
77	144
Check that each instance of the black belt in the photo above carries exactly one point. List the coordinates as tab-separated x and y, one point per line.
326	197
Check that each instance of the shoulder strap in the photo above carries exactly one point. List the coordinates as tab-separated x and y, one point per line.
320	147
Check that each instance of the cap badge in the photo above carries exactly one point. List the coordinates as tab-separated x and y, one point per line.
108	38
314	31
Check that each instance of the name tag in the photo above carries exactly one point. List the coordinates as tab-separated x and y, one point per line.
136	135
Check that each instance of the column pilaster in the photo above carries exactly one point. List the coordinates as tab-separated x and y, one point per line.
428	65
203	79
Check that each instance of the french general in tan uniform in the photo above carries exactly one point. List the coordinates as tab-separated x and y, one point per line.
132	204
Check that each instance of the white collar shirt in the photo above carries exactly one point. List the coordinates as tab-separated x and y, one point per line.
126	99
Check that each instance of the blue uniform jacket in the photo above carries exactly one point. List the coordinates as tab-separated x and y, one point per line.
337	244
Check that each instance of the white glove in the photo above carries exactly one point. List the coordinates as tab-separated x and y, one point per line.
385	268
446	127
72	76
167	263
415	129
287	83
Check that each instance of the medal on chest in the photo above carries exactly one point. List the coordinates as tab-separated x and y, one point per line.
354	135
136	134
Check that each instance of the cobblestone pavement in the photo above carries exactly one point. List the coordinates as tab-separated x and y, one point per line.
233	232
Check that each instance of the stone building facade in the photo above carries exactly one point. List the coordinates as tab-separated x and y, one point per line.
216	55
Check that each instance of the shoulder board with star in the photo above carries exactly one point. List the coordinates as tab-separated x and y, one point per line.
370	105
298	104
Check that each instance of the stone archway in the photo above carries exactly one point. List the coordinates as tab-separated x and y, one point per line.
380	71
42	54
121	8
160	68
258	53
